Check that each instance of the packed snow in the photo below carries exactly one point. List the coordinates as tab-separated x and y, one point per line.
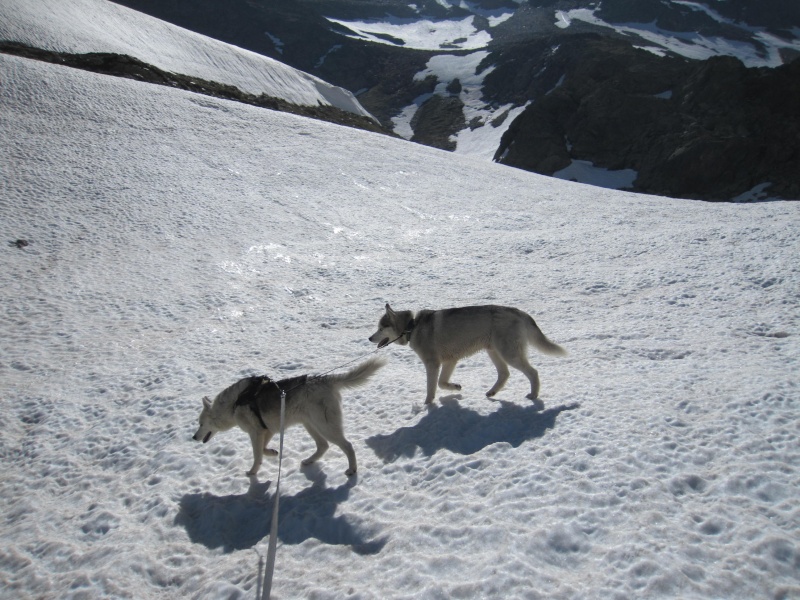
160	245
81	26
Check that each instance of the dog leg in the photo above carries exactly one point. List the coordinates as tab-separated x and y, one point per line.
269	451
332	432
432	373
258	439
347	448
322	445
502	372
444	378
521	363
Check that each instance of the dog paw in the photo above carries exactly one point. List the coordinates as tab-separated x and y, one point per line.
308	461
350	472
450	386
537	404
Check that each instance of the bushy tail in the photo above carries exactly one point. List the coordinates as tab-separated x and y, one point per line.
357	375
541	343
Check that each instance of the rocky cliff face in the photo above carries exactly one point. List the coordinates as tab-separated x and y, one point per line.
695	129
640	86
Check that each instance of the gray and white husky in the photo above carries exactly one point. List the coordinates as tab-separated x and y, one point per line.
443	337
254	405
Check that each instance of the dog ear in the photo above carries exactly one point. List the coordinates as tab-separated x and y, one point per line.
206	402
389	310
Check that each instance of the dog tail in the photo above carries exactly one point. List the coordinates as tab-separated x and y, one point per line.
540	341
358	375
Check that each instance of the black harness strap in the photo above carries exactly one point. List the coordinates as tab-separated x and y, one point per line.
409	329
249	396
265	389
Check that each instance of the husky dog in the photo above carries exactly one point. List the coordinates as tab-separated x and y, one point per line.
443	337
254	404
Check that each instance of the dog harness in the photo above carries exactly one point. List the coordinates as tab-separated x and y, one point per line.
249	396
263	389
409	329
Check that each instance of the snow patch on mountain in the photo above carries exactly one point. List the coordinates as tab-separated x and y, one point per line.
487	123
586	172
765	52
419	34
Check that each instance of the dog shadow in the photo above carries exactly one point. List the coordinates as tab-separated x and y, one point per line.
463	431
238	522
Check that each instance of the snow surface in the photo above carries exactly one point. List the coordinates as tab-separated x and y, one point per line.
178	242
586	172
80	26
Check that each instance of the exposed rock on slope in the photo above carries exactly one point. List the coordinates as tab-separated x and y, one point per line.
711	130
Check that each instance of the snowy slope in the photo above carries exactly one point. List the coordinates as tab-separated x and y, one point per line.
80	26
177	243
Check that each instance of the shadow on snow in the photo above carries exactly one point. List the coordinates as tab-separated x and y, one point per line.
237	522
464	431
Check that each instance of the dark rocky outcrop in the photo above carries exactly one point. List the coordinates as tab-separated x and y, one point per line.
437	120
696	129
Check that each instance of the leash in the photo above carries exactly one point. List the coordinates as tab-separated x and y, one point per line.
273	530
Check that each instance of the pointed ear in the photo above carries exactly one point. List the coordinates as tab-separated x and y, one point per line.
389	310
206	402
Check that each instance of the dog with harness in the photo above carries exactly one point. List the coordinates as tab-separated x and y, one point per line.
314	401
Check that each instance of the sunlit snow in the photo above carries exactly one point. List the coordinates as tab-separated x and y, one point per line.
63	26
174	243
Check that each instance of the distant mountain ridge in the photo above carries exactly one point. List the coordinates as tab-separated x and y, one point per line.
634	94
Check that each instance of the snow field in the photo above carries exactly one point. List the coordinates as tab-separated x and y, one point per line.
178	243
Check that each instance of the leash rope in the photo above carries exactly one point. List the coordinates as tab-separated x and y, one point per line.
273	530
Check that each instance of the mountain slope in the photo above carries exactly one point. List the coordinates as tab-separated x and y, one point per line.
177	242
91	26
457	75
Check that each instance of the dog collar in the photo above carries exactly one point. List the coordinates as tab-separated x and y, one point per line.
409	329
